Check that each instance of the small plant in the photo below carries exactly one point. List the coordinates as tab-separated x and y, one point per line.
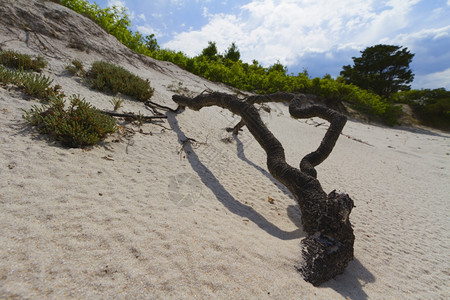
78	126
140	118
39	86
180	89
34	85
13	59
114	79
76	68
117	103
7	76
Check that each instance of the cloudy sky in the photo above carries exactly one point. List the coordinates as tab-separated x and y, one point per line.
320	36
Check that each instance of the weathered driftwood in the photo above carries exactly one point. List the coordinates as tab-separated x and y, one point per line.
328	247
133	116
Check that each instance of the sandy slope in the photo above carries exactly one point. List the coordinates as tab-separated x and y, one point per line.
138	218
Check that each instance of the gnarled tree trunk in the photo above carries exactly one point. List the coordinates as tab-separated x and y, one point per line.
328	247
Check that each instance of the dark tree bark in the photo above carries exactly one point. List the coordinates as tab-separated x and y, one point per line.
328	247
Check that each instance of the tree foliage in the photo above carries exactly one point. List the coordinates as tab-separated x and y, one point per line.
230	69
233	53
432	107
151	43
210	52
114	20
382	69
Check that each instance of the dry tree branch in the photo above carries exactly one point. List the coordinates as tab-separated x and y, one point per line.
133	116
152	104
328	248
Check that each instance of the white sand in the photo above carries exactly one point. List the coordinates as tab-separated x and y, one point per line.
138	219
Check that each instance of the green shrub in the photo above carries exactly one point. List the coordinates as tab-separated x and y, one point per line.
34	85
76	68
13	59
114	79
114	20
435	113
431	106
80	125
251	77
7	75
38	86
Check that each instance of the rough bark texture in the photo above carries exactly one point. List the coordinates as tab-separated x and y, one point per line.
328	247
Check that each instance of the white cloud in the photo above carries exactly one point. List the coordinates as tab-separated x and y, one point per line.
286	30
433	33
433	80
121	4
178	3
142	17
205	12
221	29
118	3
147	30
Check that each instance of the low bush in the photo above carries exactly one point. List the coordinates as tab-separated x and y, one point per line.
431	106
39	86
34	85
79	125
216	67
13	59
8	76
114	79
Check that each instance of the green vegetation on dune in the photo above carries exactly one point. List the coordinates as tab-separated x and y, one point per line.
113	79
13	59
17	68
432	107
79	125
229	69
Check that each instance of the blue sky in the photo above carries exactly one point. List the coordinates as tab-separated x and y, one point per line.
320	36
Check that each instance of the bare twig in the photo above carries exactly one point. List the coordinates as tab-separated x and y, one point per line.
133	116
152	104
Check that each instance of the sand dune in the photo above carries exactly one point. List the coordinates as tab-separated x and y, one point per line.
140	217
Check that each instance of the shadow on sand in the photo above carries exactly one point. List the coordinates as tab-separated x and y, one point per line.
348	284
241	155
351	283
224	197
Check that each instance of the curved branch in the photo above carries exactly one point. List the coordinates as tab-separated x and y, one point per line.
276	161
325	218
300	109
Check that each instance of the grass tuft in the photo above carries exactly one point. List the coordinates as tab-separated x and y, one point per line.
117	103
34	85
13	59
